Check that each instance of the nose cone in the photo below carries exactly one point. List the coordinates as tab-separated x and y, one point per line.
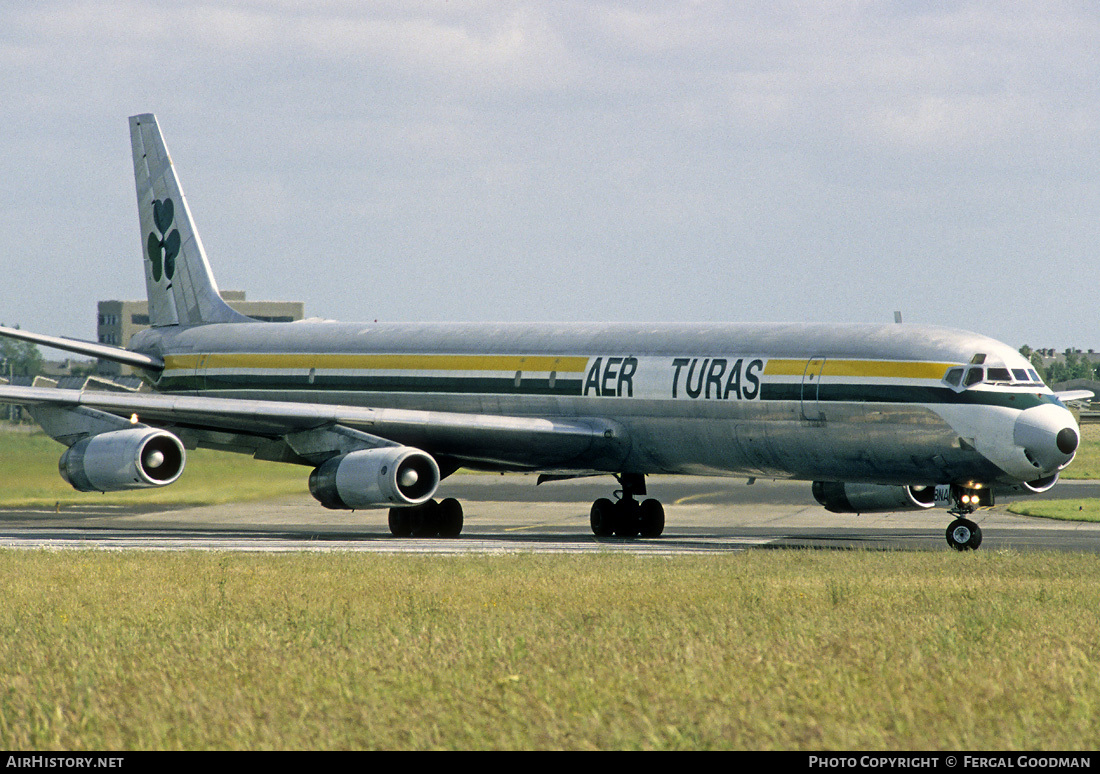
1049	437
1067	440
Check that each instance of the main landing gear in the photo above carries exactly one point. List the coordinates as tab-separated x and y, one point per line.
963	534
430	519
627	517
624	517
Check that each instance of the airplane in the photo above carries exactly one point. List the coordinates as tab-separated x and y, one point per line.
880	418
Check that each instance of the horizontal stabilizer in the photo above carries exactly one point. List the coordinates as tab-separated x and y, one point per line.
89	348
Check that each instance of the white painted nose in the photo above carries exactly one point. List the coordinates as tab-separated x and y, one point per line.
1049	437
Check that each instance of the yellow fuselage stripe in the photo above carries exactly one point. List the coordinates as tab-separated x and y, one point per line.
896	369
377	362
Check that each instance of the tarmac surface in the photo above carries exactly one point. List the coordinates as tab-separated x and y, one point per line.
506	514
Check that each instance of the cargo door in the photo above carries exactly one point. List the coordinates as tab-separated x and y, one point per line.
811	391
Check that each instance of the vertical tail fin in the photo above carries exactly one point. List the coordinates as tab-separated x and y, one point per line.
180	285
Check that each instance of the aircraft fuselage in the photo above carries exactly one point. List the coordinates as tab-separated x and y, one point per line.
865	403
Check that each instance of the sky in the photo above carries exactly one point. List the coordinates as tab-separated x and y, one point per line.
569	161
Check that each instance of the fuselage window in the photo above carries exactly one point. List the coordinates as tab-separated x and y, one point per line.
998	375
974	375
1020	375
1035	377
954	376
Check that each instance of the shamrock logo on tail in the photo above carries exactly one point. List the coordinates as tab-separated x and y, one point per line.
163	249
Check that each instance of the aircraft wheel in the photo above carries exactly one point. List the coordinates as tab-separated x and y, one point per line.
425	519
400	522
602	518
627	524
450	518
964	535
975	537
651	518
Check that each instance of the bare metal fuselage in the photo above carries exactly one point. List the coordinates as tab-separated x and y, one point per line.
815	402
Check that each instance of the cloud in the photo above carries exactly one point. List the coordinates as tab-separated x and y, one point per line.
689	159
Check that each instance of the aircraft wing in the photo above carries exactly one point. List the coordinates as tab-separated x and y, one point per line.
259	427
1068	395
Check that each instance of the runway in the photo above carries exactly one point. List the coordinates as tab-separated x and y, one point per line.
510	514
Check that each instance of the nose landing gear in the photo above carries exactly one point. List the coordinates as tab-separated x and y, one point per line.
963	534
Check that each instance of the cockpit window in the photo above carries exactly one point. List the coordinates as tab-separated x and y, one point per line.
975	374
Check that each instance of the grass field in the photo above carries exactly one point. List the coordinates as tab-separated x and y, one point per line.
795	650
1086	509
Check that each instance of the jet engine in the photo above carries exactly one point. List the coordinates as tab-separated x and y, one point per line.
840	497
391	476
134	458
1031	487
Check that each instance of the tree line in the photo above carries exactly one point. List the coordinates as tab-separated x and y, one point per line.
19	358
1074	365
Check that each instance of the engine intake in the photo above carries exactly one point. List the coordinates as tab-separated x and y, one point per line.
840	497
375	478
135	458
